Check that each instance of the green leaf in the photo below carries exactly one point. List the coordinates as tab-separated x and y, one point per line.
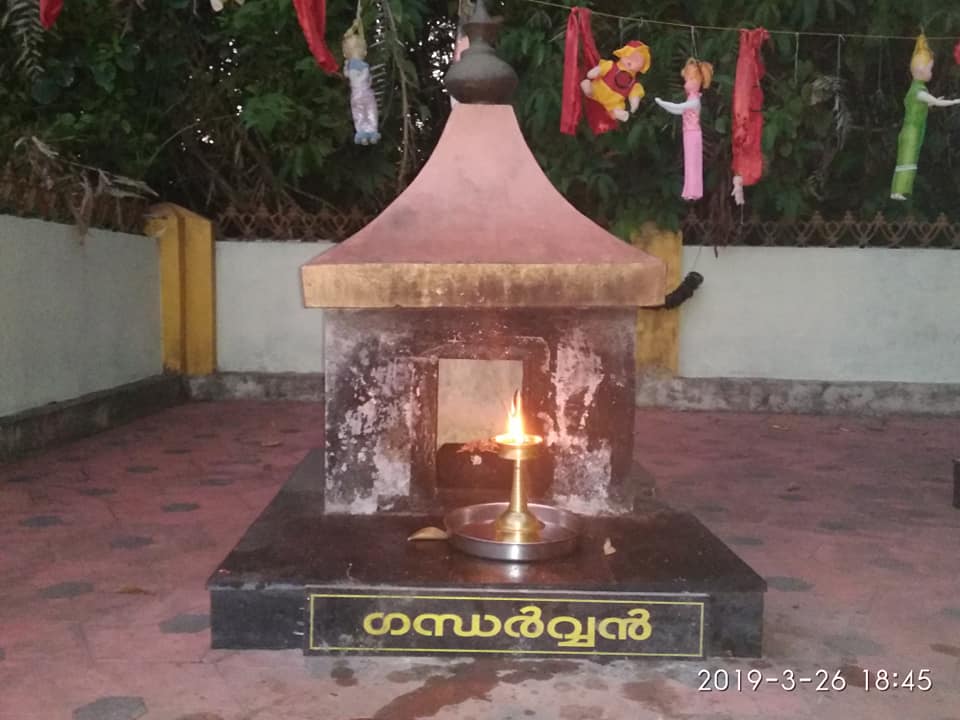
265	112
65	75
306	65
104	74
125	61
45	90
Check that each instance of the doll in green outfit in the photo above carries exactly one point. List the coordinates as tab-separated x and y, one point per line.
917	104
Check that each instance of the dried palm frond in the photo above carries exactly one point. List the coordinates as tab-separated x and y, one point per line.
824	89
21	20
82	184
831	87
393	71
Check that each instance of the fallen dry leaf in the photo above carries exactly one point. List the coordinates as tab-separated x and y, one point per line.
133	590
608	548
429	533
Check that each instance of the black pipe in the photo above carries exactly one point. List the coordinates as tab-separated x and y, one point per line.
683	292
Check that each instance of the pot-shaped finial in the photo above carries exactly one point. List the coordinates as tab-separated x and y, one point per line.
480	76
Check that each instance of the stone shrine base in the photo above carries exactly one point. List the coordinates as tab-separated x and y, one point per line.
259	593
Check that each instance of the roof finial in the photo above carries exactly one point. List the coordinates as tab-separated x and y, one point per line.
480	76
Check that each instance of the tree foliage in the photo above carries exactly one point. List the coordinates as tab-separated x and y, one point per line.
215	109
829	137
212	109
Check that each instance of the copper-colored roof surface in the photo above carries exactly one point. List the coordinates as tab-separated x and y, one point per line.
481	200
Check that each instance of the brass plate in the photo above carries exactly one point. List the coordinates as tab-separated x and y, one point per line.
471	530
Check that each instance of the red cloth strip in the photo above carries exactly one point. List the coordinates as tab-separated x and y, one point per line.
574	72
49	12
312	15
748	107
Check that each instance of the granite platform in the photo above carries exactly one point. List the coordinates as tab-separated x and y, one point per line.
259	593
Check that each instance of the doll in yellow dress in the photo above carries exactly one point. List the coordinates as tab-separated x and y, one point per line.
613	83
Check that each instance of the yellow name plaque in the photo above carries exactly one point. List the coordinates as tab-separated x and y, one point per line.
364	621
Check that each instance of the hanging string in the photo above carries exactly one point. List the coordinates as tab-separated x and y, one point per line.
880	71
693	43
730	28
796	59
358	21
836	98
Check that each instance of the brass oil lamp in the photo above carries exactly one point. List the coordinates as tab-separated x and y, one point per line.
517	523
517	530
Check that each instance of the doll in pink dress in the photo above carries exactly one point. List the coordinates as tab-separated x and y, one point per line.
696	75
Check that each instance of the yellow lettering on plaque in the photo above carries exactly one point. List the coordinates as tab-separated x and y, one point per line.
380	624
576	637
531	626
438	623
494	628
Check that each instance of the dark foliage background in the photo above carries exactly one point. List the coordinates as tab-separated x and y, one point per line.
214	110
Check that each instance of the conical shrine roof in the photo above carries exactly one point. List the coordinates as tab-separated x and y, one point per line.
482	226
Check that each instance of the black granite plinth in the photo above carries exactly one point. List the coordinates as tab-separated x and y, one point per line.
258	595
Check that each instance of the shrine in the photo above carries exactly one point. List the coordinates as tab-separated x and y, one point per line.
481	275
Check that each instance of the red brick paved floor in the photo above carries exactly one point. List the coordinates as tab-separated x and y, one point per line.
105	545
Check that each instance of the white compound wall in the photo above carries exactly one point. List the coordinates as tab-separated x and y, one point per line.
829	314
76	315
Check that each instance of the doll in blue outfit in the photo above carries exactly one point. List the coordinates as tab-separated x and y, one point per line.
363	103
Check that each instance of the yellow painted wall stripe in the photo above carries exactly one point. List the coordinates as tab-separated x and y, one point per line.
199	294
658	331
187	289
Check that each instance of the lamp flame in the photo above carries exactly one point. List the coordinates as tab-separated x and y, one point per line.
515	419
516	435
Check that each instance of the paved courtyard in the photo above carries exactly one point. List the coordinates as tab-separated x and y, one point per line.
105	545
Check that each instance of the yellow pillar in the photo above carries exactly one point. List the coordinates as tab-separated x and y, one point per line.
658	331
187	289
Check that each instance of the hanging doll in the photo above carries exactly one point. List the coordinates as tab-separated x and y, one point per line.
917	104
609	85
747	130
696	76
363	103
613	83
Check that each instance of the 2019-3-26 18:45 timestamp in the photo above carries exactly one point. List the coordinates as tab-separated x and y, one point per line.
820	680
